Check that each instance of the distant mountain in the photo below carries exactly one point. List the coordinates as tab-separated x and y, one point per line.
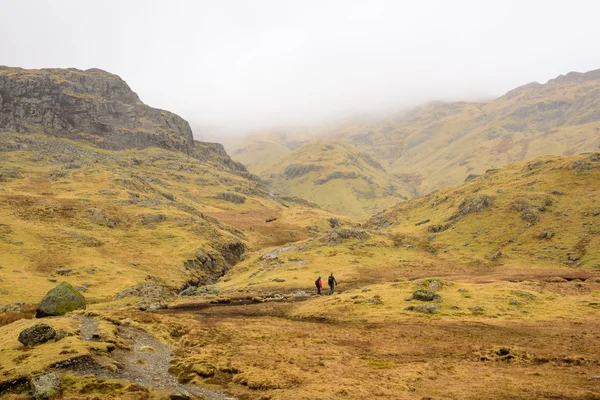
335	176
441	144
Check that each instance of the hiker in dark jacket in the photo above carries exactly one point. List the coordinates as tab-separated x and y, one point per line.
332	282
319	284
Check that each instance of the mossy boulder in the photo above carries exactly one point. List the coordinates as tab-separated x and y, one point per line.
426	295
37	334
60	300
45	386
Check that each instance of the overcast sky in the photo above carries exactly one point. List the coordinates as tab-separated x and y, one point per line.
256	64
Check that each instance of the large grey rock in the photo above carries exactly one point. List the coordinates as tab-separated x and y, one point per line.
60	300
45	386
425	295
36	334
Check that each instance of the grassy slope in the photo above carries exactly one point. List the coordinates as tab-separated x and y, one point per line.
359	197
68	205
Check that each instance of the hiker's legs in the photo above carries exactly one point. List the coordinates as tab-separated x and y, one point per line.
330	290
318	290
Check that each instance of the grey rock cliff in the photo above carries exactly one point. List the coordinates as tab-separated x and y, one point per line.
91	105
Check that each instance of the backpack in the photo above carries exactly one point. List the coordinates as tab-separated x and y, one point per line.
317	283
331	280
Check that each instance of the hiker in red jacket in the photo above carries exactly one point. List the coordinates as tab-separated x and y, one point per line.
319	284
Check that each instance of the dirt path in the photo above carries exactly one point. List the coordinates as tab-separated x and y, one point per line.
146	363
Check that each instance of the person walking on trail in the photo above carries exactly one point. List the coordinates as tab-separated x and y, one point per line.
332	283
319	284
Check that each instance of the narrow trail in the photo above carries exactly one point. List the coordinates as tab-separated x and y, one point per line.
146	362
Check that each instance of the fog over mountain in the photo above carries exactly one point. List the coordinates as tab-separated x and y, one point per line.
237	66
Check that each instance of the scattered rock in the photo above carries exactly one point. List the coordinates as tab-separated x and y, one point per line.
473	205
530	216
151	219
425	295
180	394
60	300
477	309
337	236
437	228
231	197
556	279
81	289
61	334
525	295
52	280
334	222
45	386
37	334
279	280
64	271
424	308
470	177
557	192
546	235
581	167
424	221
365	290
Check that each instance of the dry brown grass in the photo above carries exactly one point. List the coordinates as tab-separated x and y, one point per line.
10	316
259	352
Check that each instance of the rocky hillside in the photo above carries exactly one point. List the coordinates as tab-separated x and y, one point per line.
97	186
334	176
97	107
112	219
539	213
441	144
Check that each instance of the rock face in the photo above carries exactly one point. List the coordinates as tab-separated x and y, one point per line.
92	105
61	300
98	107
36	334
45	386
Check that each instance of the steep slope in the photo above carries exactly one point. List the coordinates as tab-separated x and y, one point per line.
335	176
91	105
112	219
97	187
539	213
440	144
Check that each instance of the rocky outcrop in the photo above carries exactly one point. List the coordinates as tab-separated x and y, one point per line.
92	105
98	107
231	197
60	300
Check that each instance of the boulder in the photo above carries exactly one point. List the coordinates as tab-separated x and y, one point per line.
45	386
37	334
425	295
424	308
60	300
